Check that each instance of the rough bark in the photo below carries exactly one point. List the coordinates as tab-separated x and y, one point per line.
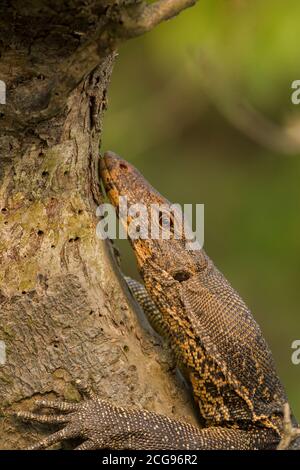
63	311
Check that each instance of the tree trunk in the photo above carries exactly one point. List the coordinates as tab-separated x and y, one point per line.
63	311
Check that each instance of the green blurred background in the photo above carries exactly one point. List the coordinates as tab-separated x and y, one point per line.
202	106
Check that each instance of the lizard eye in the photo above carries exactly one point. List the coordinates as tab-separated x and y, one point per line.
166	221
123	166
181	276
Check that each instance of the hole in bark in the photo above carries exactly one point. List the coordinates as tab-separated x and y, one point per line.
125	348
40	233
41	154
52	246
66	172
41	77
5	223
2	115
24	292
45	173
80	211
4	209
91	312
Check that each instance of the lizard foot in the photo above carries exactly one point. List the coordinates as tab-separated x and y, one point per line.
79	419
102	425
290	433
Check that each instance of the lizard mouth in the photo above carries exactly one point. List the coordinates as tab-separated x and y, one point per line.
114	172
109	163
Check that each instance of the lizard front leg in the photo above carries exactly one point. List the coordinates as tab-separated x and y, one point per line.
153	314
100	424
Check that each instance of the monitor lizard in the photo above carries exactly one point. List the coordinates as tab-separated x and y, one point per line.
216	342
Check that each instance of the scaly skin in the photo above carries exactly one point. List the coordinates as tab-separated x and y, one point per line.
214	338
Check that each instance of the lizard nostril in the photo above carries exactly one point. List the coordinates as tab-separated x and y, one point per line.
181	276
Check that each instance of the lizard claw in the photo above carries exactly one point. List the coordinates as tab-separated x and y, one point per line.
85	389
290	433
65	433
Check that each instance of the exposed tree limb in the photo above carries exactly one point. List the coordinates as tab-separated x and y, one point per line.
136	21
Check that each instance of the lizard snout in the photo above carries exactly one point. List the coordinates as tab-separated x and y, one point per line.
111	162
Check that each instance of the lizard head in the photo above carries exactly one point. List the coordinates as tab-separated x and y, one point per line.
154	226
